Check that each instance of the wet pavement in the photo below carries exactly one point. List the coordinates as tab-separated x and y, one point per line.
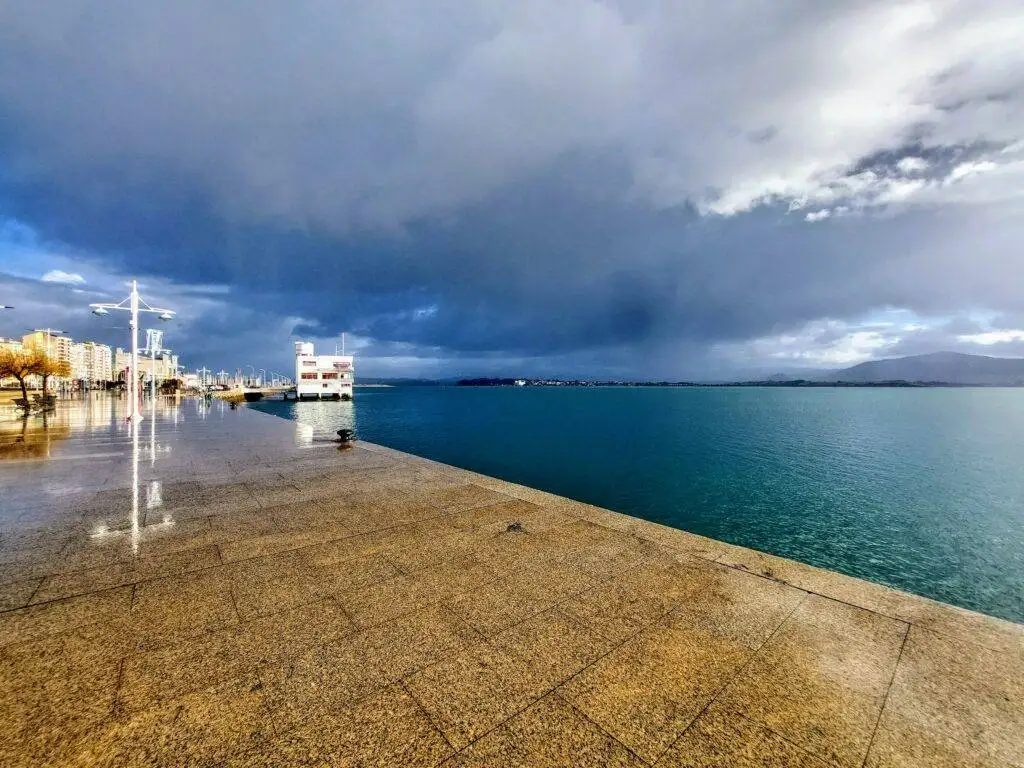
221	587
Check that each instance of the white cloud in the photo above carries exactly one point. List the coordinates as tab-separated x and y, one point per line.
59	276
909	165
822	343
966	169
989	338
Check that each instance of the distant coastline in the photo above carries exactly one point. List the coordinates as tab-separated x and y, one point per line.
484	382
937	369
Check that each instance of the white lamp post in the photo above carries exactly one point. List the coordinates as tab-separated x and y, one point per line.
133	304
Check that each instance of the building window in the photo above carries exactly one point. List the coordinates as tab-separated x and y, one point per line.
329	375
306	375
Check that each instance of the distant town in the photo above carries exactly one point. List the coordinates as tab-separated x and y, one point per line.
93	365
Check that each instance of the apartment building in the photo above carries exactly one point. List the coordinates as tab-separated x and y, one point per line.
55	345
164	367
92	363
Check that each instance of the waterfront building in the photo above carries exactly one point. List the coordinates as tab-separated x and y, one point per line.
13	344
91	363
56	346
163	367
322	376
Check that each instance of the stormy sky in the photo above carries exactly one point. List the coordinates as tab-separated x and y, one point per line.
637	188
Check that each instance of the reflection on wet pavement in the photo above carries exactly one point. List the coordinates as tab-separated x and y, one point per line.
218	586
31	436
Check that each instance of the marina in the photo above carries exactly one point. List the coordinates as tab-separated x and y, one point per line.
217	586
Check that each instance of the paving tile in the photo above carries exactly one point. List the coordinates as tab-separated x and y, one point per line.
471	693
458	575
386	600
498	605
721	738
637	598
22	565
348	575
62	615
456	498
600	552
408	643
549	734
648	690
864	594
419	547
165	610
385	729
962	625
124	572
265	585
962	691
55	686
208	727
246	524
276	637
92	549
153	676
17	594
899	742
271	543
738	605
820	681
329	553
554	645
548	579
496	518
323	680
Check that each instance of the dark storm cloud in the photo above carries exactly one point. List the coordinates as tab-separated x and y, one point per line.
523	179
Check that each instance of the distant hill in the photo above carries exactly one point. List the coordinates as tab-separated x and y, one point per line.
945	367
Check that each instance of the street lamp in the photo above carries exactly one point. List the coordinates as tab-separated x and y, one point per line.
263	376
252	375
132	304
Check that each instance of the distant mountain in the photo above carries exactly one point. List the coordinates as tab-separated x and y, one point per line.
945	367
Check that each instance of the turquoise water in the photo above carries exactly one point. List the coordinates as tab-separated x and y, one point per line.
921	489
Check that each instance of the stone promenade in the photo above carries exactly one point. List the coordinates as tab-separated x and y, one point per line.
221	587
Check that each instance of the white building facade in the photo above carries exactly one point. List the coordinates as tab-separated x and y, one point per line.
322	376
92	363
164	367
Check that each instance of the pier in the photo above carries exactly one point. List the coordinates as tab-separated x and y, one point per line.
217	586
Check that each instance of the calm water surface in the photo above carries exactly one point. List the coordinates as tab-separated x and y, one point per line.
918	489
